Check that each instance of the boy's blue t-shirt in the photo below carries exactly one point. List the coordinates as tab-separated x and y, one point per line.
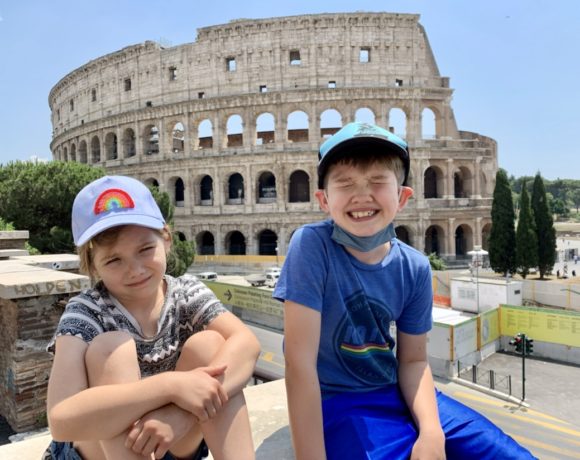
357	302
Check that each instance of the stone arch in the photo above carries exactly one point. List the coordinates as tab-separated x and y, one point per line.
398	122
299	187
434	240
206	191
178	138
235	131
433	182
205	243
151	140
365	115
178	187
297	126
73	152
95	149
265	129
205	134
266	188
404	234
235	189
111	147
485	232
330	122
65	154
267	243
83	152
181	236
129	141
235	243
428	124
462	182
151	182
463	240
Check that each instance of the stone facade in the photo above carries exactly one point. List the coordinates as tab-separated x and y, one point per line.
230	125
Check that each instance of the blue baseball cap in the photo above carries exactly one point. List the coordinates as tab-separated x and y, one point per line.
360	135
112	201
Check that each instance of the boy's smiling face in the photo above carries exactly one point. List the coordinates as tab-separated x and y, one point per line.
362	201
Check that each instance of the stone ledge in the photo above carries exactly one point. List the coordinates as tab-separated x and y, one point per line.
268	415
6	253
50	261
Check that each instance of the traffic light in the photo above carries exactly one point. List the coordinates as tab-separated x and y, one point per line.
529	345
518	342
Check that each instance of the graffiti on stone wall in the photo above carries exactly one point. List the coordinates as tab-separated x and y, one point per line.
56	287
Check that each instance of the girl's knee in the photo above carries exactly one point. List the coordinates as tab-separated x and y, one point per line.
200	349
112	358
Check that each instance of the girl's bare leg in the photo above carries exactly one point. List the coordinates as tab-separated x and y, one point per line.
228	435
110	358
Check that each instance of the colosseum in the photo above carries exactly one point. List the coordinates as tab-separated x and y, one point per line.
229	125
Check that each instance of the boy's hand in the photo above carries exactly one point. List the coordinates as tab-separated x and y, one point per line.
158	430
200	392
430	445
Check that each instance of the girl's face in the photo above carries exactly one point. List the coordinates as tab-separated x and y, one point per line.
133	266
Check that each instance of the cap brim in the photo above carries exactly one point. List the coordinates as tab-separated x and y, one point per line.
116	221
344	148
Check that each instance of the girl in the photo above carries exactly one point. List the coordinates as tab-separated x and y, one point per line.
145	365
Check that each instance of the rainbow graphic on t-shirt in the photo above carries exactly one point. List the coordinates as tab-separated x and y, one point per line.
113	199
365	349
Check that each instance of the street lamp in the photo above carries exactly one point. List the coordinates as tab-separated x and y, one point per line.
476	261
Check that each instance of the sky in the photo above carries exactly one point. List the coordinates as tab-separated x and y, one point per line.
514	65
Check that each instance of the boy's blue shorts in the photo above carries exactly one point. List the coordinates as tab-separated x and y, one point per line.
377	425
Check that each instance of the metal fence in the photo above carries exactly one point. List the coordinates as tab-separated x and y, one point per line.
486	377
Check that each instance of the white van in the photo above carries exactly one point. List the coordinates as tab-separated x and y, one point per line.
209	276
272	279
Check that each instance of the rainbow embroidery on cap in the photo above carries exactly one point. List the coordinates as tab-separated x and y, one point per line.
113	200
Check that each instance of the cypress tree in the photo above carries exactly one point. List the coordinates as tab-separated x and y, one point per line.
544	227
502	238
526	238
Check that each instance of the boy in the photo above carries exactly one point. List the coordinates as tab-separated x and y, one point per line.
146	365
343	283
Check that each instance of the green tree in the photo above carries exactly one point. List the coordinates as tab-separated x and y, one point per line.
559	207
502	238
182	252
38	197
574	197
437	263
544	227
526	238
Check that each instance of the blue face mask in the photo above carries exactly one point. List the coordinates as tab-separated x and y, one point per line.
363	243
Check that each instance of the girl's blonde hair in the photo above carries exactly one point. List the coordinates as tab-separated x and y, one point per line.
106	238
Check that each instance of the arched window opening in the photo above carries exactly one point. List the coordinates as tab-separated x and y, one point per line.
151	140
179	193
432	183
265	129
111	146
152	183
365	115
463	241
299	187
235	131
403	234
267	242
181	236
236	189
73	152
330	123
205	135
432	242
236	244
398	122
267	188
129	149
428	126
206	191
485	232
65	154
83	152
458	186
297	127
95	150
178	138
205	244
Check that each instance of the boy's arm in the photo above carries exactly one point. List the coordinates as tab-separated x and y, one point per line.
301	341
239	353
418	389
76	412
